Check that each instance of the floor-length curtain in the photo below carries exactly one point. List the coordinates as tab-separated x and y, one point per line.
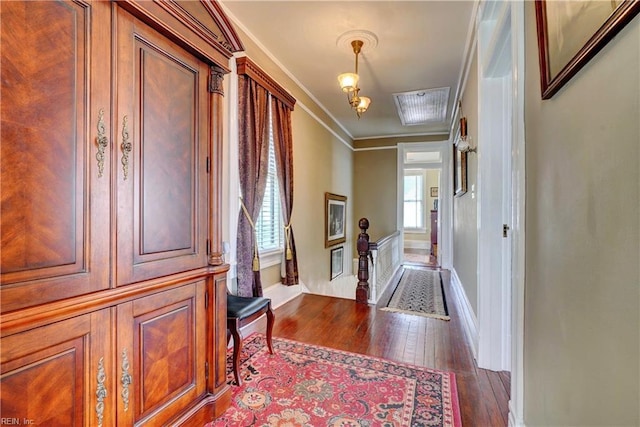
253	168
283	145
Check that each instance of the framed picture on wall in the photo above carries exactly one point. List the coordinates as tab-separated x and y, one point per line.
337	262
434	191
335	219
459	172
570	33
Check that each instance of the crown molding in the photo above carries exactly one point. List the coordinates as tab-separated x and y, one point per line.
288	73
467	60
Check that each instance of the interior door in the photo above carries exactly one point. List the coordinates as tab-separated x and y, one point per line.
163	112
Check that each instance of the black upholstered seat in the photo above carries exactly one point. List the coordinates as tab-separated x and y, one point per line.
241	307
240	312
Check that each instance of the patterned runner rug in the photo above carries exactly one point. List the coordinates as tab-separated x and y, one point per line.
309	386
420	292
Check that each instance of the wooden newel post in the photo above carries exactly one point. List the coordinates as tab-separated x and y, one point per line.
362	290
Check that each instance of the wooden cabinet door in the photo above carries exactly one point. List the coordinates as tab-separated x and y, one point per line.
54	375
54	215
163	117
164	338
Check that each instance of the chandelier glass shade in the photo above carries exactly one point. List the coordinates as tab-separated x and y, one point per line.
463	143
363	105
348	81
349	84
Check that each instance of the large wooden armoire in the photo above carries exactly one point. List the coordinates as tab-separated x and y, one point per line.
113	287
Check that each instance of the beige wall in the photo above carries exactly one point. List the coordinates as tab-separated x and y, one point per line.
374	183
322	163
582	299
465	227
276	73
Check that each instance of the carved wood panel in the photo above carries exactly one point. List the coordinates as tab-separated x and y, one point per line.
46	373
165	338
162	207
53	227
168	153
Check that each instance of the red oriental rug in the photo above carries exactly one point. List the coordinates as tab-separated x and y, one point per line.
310	386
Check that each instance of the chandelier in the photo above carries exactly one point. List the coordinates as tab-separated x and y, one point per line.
349	84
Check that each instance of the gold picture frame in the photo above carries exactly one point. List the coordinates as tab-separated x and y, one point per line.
335	219
570	33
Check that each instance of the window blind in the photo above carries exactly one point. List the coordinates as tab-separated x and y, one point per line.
413	201
269	225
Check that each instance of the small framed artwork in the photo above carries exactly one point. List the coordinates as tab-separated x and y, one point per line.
570	33
459	172
337	261
434	191
335	219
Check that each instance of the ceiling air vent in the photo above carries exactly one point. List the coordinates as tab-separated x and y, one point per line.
422	106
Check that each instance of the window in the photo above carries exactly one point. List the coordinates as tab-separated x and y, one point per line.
414	212
269	230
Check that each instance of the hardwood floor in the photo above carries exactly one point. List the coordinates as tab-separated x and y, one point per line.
345	325
419	257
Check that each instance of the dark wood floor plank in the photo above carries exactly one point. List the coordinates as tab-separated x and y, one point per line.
472	407
502	397
506	380
429	344
343	324
489	398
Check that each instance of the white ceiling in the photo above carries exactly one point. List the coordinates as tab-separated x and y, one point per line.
421	45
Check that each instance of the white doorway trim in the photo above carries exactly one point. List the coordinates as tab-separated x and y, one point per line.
518	188
444	196
501	46
493	184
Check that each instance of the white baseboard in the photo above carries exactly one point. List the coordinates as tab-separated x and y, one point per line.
469	319
513	422
417	244
281	294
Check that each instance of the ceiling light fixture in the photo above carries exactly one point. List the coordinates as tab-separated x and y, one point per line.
349	84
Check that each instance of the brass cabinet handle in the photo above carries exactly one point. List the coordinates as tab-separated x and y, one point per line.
125	380
126	148
102	142
101	391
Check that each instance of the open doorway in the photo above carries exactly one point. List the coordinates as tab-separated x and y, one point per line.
420	218
422	208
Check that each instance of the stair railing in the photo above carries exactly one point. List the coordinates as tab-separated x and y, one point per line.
378	263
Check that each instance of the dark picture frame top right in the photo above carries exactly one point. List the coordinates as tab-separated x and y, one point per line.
571	33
